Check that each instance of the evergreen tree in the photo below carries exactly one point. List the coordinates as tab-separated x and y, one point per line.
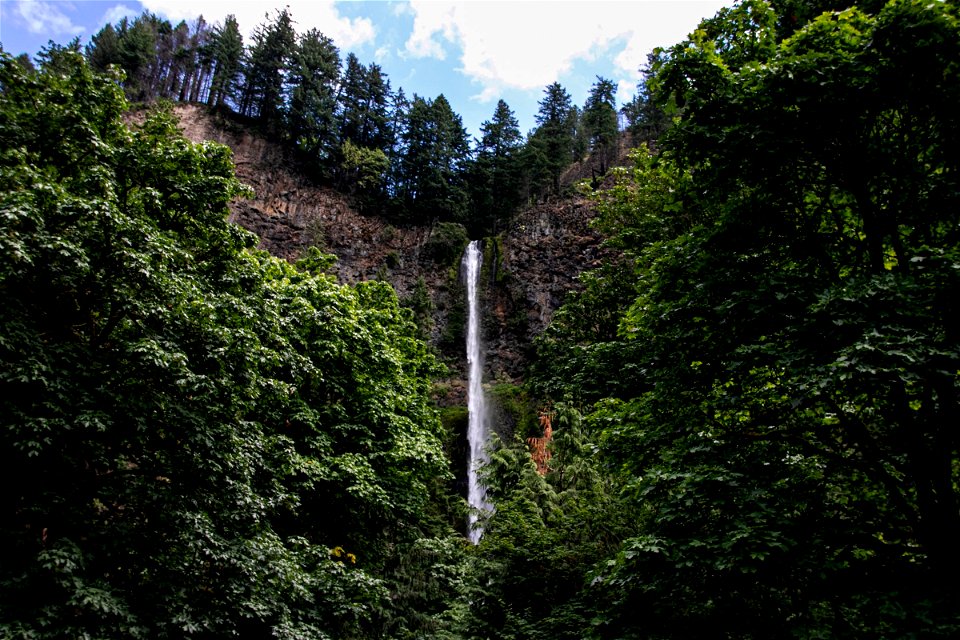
226	52
137	52
365	106
501	136
377	131
159	60
198	72
314	75
580	140
537	179
555	133
646	120
183	68
365	130
103	49
495	175
354	95
435	152
398	115
600	121
269	61
413	153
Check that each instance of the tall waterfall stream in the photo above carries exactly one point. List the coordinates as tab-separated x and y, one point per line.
478	429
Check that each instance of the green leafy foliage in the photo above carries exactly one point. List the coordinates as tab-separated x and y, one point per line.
534	567
584	343
421	304
362	167
199	440
755	396
782	377
446	243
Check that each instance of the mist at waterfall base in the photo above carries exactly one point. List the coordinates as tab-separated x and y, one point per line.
478	429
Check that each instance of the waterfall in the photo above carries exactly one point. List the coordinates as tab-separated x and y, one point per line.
478	427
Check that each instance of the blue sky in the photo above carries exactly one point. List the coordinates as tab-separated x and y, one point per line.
473	52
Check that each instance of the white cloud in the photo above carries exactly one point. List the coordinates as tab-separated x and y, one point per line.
116	12
400	9
346	33
626	89
527	45
431	18
382	54
47	18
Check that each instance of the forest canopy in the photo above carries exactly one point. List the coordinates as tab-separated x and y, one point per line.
753	398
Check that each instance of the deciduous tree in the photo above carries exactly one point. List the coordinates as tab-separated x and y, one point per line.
217	443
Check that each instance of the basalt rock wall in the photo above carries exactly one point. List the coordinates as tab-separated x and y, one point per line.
538	260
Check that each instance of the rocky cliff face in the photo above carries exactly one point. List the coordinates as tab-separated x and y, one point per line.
530	267
543	252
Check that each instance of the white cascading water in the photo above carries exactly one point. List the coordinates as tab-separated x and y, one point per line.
478	427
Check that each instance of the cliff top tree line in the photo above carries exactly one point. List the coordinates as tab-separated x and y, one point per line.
406	158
